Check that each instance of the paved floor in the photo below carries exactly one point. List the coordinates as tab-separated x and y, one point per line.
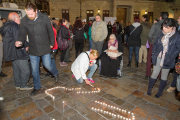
127	93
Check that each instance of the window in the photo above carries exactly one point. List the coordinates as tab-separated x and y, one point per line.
136	14
90	13
65	14
105	13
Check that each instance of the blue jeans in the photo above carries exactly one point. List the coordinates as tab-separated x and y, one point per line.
126	38
46	59
92	70
90	44
136	53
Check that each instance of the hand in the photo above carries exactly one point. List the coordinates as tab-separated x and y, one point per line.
87	82
18	43
71	36
51	46
27	48
91	64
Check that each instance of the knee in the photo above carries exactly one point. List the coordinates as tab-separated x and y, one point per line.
94	67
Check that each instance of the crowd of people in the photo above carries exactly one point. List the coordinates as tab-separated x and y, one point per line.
156	44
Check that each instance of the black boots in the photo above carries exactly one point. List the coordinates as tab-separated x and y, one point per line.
151	84
137	64
161	88
129	64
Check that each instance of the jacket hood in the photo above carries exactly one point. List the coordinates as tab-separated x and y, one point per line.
147	24
136	24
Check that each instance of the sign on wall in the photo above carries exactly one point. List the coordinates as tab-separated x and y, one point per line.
111	19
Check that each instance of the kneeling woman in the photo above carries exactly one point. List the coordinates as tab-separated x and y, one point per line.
83	62
165	49
110	60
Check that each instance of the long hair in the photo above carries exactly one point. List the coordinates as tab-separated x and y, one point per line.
61	22
78	24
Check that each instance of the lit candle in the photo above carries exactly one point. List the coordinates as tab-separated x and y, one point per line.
92	108
109	114
129	112
114	107
82	92
95	101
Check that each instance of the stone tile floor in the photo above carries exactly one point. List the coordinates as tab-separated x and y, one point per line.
128	93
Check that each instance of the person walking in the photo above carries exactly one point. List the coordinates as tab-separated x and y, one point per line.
78	32
41	39
154	32
146	26
18	56
99	33
165	50
134	40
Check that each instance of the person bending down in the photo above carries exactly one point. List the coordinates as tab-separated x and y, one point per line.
85	61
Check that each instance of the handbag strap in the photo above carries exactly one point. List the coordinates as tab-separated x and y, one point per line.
133	30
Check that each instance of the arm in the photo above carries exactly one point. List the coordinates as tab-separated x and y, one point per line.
151	32
22	33
50	31
81	66
105	31
155	45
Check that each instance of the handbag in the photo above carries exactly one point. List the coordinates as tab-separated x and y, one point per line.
62	43
85	35
53	54
147	44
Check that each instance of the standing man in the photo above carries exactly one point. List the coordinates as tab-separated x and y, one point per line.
154	32
98	33
1	53
18	56
41	40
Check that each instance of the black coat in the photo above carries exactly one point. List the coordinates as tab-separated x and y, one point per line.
109	27
64	32
119	30
134	39
79	34
10	33
86	28
40	34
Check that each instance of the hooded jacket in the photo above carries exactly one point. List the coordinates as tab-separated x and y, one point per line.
146	26
79	34
134	35
10	31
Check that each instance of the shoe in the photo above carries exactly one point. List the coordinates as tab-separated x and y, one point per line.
118	76
171	89
17	88
151	84
91	80
129	64
56	78
161	88
26	88
47	74
137	64
2	74
148	77
63	64
34	92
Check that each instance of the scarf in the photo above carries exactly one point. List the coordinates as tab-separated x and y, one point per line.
68	32
115	44
165	42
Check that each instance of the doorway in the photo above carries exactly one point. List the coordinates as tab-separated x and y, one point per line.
121	14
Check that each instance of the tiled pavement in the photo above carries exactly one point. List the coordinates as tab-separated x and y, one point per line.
128	93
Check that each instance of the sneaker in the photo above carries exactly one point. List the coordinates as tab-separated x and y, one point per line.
63	64
91	80
26	88
171	89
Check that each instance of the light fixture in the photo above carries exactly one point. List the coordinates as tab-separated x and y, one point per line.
98	10
146	12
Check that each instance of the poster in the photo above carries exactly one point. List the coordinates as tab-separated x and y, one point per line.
92	18
111	19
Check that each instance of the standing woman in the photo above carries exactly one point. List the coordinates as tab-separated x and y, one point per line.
134	40
109	27
66	36
79	36
165	49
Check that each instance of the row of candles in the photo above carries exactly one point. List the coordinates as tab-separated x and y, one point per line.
124	112
60	87
89	92
111	114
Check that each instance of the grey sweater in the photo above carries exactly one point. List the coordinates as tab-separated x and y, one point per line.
154	32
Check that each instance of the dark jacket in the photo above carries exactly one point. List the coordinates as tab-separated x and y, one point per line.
64	32
154	32
10	33
134	36
40	34
86	28
109	27
146	26
127	30
171	54
79	34
118	29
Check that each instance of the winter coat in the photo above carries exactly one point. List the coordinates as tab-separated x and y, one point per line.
171	54
86	28
134	37
146	26
10	31
80	66
109	27
154	32
79	34
99	31
118	28
40	34
64	33
89	33
55	42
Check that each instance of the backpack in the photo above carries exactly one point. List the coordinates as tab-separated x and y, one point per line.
62	43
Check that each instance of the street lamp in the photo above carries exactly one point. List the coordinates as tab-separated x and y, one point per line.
80	2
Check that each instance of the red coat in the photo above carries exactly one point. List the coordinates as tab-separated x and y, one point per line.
55	42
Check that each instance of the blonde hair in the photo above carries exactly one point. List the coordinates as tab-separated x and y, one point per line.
94	53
